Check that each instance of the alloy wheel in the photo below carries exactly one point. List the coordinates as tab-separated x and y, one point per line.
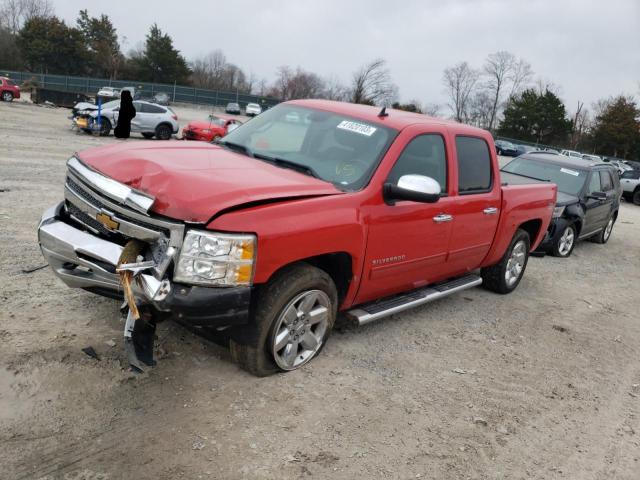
608	229
566	242
515	264
300	329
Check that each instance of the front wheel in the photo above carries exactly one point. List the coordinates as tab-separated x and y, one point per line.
147	135
292	320
7	96
636	197
505	276
563	246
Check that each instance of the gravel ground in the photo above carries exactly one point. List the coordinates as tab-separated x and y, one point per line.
542	383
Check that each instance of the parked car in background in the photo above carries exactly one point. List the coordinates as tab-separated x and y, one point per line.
161	98
630	181
109	93
543	152
270	233
522	149
571	153
8	89
210	130
505	148
588	198
633	164
592	158
252	109
620	166
151	120
233	108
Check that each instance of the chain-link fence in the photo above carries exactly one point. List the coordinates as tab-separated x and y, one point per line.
177	93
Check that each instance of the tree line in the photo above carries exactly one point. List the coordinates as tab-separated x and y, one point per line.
502	95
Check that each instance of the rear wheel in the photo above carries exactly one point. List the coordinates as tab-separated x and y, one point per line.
292	320
147	135
7	96
563	246
605	234
505	276
163	132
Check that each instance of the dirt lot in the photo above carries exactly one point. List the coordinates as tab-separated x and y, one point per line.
550	390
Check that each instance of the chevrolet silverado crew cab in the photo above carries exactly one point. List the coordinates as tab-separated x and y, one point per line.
312	209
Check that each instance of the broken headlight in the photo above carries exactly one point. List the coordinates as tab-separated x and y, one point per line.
216	259
558	211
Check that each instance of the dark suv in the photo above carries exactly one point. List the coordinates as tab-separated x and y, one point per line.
588	198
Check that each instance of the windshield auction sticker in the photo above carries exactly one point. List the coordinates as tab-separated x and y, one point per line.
570	172
356	127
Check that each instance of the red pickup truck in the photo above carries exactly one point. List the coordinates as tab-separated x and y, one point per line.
310	209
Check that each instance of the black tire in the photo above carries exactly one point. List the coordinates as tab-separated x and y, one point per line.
105	127
254	352
147	135
164	131
560	250
494	277
605	234
636	197
7	96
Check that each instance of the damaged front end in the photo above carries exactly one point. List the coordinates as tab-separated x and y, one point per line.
103	238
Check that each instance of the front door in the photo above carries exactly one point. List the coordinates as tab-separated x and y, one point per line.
597	210
477	209
407	243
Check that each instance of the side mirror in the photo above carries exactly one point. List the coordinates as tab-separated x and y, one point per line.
597	195
415	188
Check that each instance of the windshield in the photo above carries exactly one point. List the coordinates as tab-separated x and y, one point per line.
339	149
569	180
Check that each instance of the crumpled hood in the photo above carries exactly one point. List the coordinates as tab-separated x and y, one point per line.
194	181
565	199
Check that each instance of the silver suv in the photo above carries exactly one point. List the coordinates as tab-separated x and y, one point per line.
151	119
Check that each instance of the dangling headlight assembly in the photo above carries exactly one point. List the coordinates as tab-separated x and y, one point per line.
216	259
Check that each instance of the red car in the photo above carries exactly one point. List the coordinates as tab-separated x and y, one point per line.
8	89
314	208
209	130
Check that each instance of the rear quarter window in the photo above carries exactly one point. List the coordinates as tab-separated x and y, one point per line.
474	165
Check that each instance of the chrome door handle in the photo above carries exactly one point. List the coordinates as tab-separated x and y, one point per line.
443	217
490	211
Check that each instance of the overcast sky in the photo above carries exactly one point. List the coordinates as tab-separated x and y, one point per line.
589	48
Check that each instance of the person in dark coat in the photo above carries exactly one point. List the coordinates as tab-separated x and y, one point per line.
125	115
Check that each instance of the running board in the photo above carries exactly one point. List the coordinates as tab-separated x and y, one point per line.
382	308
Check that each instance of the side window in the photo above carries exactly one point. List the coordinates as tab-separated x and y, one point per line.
138	107
474	165
424	155
605	181
594	183
147	108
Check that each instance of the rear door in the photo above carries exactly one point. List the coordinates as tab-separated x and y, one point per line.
476	210
597	210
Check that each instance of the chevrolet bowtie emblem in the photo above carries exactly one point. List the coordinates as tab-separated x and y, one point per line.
108	222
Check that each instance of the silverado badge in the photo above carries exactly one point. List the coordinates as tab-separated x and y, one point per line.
108	222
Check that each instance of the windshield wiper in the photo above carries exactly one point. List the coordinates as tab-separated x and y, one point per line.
526	176
283	162
237	147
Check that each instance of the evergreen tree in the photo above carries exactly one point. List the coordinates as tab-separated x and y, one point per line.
160	62
101	41
616	130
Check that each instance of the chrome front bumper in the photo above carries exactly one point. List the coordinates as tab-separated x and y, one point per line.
83	260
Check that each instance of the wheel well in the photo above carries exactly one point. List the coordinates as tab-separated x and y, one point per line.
337	265
164	124
532	227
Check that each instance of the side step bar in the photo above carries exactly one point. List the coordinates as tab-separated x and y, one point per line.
382	308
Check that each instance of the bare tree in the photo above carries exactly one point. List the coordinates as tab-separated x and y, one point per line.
209	70
520	77
291	84
482	109
460	82
498	67
432	109
15	13
580	125
334	89
372	84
